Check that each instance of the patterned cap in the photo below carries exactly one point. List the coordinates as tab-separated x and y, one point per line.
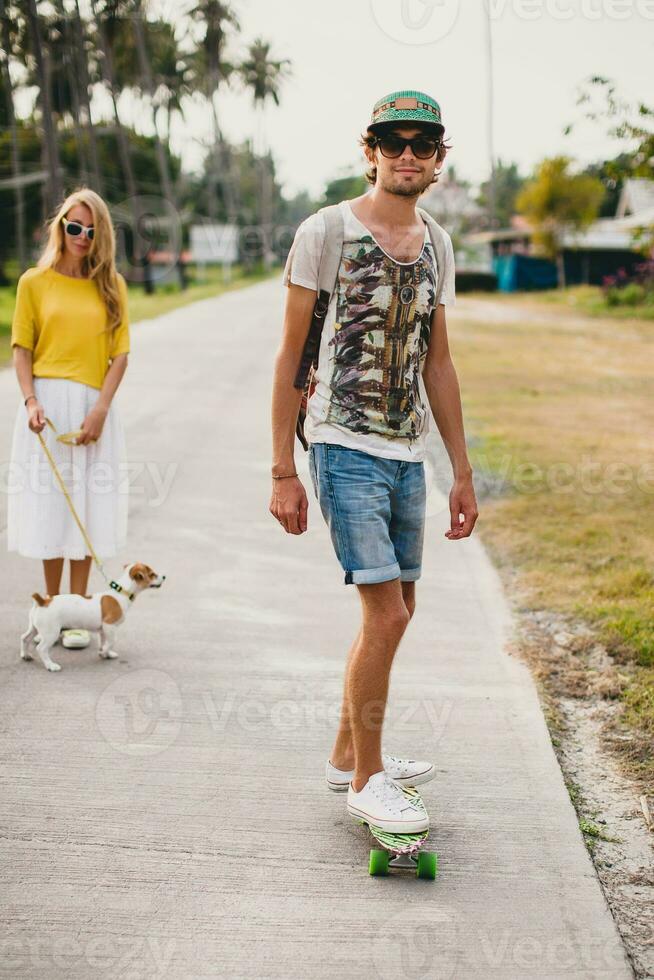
406	106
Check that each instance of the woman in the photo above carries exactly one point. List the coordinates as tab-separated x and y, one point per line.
70	340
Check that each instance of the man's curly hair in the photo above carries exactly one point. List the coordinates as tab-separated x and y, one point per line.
368	139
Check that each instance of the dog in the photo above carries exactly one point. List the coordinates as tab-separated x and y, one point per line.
101	613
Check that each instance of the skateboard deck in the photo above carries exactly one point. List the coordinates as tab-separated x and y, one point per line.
401	851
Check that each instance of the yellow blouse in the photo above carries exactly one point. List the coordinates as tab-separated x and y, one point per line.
63	321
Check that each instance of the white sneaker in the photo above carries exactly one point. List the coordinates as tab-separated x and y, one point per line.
406	772
382	803
75	639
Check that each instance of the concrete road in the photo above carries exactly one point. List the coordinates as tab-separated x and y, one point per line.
165	815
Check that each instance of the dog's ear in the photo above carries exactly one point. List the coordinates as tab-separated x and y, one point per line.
139	573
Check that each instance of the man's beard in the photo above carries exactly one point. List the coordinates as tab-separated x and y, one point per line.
404	190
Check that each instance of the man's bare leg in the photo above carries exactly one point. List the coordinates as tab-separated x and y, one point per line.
385	618
342	754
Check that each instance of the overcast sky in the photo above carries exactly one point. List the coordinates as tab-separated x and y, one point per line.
348	53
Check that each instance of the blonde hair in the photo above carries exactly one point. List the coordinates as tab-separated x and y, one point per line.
100	261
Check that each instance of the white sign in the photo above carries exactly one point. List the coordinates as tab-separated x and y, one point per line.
214	243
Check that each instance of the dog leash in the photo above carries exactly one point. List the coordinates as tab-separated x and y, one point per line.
70	439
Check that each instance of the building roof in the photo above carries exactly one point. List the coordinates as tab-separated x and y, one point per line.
635	210
636	196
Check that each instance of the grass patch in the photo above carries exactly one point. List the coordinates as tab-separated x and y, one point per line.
142	306
561	415
592	833
591	300
639	701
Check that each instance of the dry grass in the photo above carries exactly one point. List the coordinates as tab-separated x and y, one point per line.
559	408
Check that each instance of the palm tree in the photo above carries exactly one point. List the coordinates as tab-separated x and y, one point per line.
263	75
170	70
492	195
149	87
7	46
211	71
103	19
105	48
64	83
82	70
54	185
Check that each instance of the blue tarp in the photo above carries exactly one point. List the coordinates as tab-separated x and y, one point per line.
523	272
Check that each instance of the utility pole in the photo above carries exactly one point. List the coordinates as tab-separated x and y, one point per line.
492	204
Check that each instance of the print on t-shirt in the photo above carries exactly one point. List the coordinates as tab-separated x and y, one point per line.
383	315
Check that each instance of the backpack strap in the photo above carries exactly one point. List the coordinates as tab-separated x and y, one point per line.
330	259
437	236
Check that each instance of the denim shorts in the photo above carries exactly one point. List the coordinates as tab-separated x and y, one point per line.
375	511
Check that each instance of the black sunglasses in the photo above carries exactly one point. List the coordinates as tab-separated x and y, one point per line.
422	147
74	228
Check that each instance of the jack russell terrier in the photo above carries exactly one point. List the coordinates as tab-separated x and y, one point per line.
100	613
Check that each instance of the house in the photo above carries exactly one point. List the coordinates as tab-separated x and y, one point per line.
606	246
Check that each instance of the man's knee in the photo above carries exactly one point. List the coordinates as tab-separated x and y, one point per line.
385	607
397	619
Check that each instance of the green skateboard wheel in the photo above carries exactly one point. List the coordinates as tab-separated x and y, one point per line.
427	865
378	862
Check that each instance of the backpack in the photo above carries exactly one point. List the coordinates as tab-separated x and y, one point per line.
330	261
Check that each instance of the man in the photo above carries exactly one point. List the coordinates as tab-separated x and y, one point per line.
366	425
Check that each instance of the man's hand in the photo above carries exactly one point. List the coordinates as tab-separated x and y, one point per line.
462	501
92	426
289	504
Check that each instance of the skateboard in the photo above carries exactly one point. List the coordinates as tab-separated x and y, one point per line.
402	851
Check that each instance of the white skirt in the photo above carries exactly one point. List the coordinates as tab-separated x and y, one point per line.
39	521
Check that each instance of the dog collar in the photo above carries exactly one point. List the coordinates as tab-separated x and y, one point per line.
118	588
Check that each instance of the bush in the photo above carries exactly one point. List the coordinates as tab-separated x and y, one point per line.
631	295
635	290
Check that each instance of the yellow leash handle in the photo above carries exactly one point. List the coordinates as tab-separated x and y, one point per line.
69	439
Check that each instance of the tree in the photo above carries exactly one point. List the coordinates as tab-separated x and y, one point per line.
7	46
104	21
170	71
143	162
342	188
211	70
557	201
54	185
508	184
148	84
263	75
633	124
64	78
81	63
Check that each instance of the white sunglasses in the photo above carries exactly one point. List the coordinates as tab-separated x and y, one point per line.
74	228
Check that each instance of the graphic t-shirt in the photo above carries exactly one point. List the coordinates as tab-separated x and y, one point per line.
374	340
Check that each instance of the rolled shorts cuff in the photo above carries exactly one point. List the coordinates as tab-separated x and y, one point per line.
410	574
370	576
